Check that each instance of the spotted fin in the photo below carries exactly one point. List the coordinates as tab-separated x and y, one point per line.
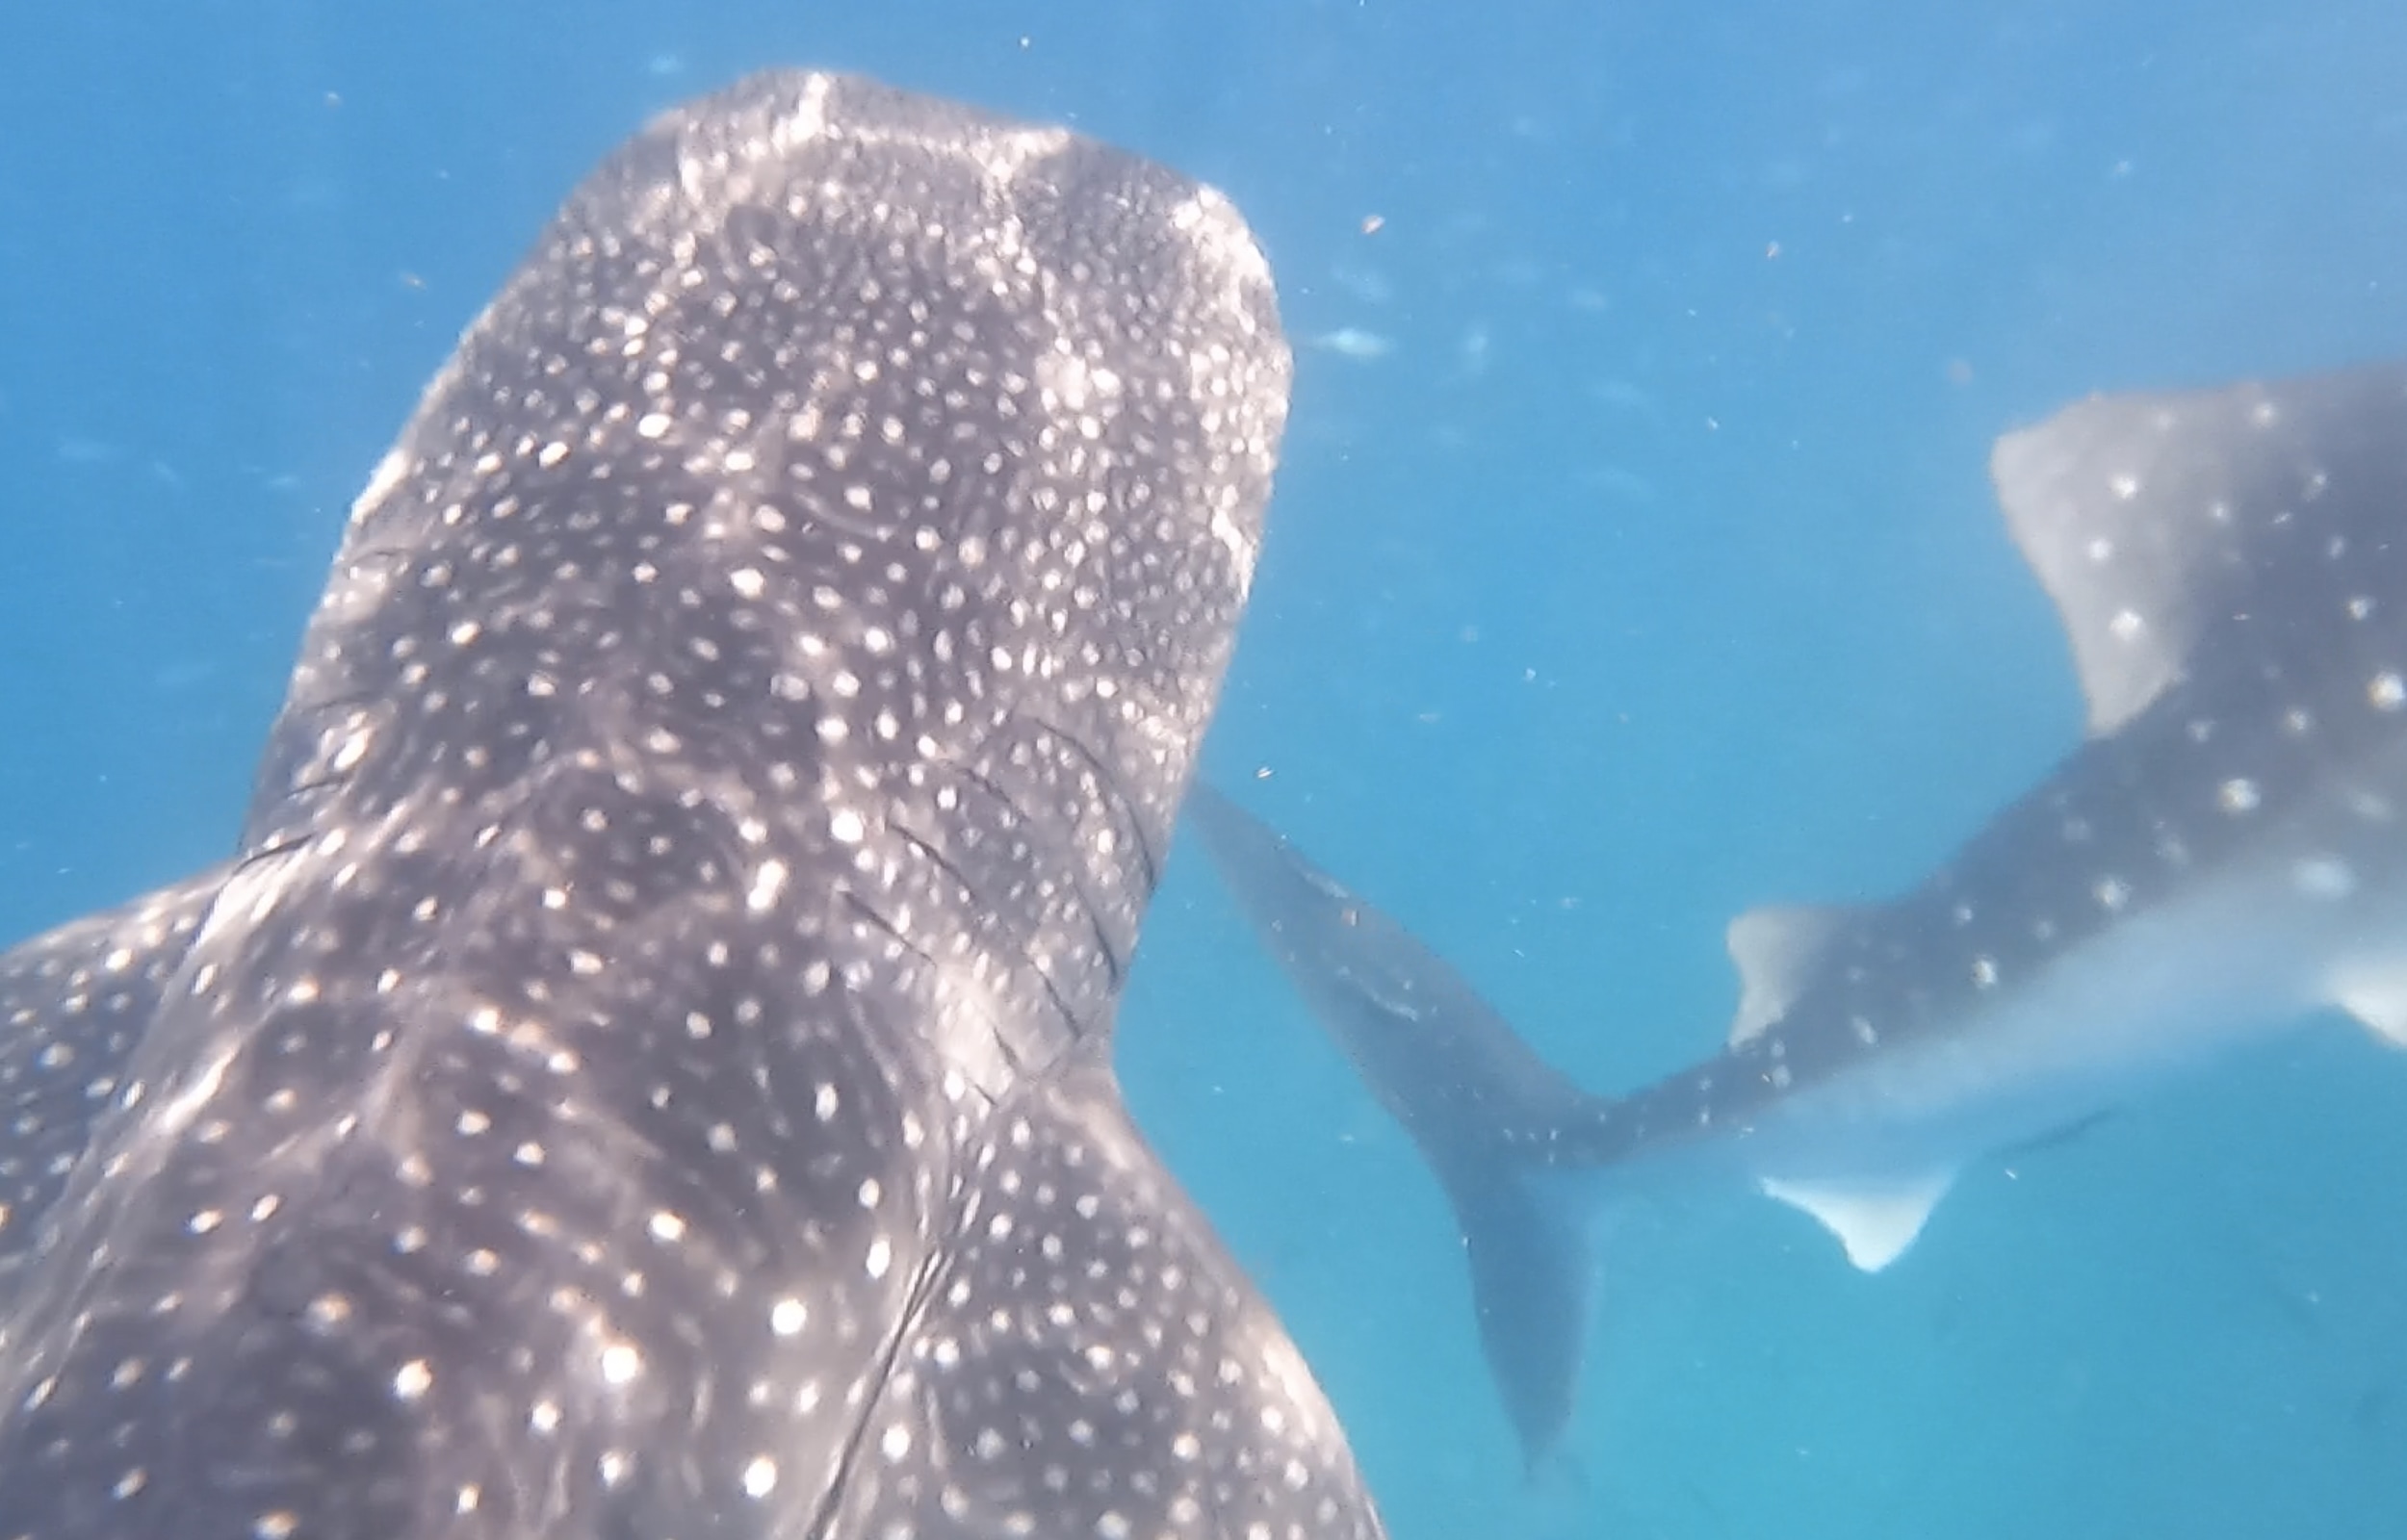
1875	1222
1775	950
2149	517
1014	1350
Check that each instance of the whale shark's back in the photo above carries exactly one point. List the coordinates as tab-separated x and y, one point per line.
646	1071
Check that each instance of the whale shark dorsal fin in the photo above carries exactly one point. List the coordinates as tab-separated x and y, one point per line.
1875	1220
1774	949
2377	997
2147	517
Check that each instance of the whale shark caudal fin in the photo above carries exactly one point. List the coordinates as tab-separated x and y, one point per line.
1447	1067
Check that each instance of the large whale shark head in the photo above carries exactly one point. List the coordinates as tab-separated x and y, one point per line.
645	1072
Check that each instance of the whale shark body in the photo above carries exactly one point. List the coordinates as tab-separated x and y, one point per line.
644	1071
2223	858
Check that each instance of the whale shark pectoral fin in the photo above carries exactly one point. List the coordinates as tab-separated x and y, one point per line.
1020	1382
1875	1221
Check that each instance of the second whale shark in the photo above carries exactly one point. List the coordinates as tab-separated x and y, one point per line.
2223	858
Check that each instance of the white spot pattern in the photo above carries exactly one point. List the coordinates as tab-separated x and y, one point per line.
716	798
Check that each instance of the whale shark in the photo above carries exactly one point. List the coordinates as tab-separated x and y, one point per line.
1453	1074
644	1069
2221	859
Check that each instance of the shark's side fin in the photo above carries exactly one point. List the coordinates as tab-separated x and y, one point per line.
1451	1071
2135	510
1877	1220
1775	949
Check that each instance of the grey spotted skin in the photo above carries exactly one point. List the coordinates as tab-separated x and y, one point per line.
646	1072
2224	859
73	1006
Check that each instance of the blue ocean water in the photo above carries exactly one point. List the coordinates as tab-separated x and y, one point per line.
1633	562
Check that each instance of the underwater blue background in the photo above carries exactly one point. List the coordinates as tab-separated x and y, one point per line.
1633	562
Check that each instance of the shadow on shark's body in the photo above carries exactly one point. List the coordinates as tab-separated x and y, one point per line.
646	1071
2223	858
